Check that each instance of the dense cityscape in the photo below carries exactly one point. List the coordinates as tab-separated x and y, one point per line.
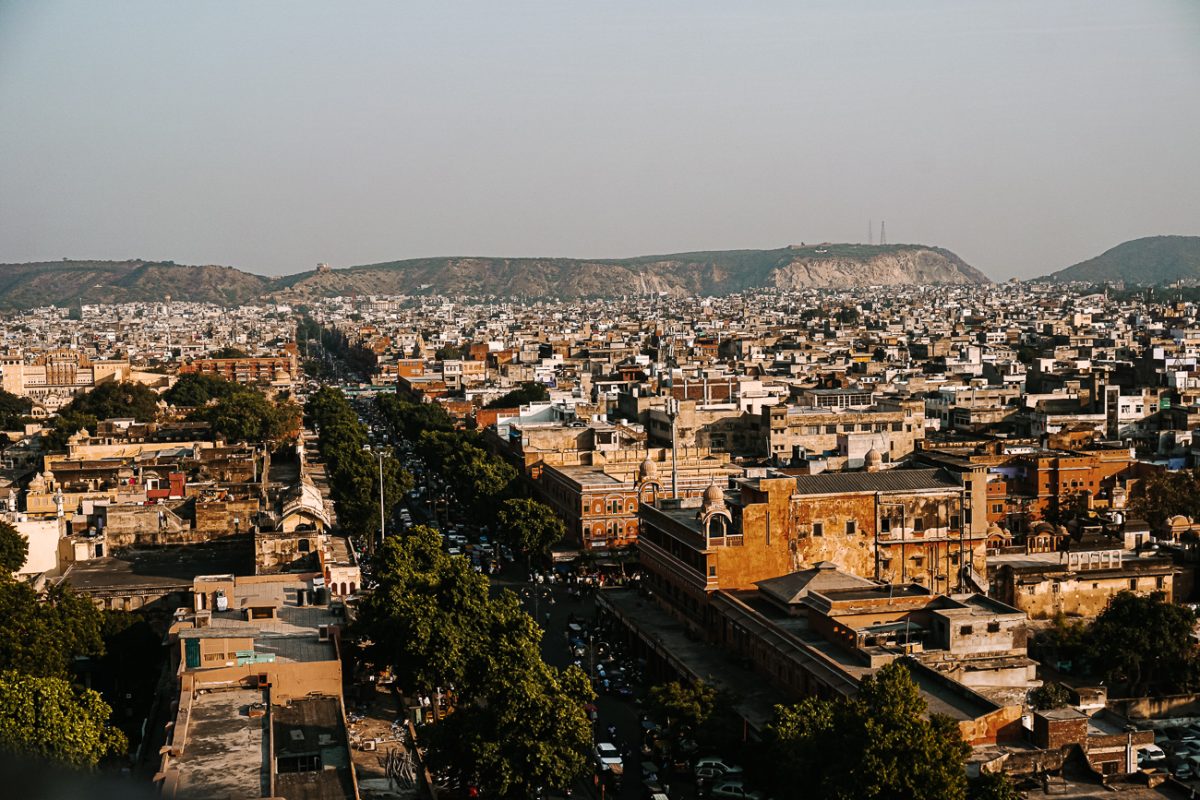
645	547
673	400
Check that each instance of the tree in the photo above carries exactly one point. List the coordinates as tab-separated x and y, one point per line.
434	622
1048	696
45	717
530	392
14	548
106	401
540	709
992	786
479	479
1164	495
1143	643
14	410
684	706
246	415
42	635
229	352
407	420
197	389
529	527
877	744
424	617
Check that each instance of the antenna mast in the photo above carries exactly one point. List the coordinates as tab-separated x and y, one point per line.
883	231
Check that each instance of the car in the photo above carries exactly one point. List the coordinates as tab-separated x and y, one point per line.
607	755
714	767
735	789
1151	755
1183	770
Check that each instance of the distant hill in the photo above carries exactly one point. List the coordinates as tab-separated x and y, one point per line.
707	273
1148	262
65	283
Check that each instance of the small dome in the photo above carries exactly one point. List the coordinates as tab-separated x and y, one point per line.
713	495
874	457
647	470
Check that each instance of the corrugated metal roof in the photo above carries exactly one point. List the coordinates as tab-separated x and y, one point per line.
892	480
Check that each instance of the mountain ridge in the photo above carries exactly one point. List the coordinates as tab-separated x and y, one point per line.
1148	261
715	272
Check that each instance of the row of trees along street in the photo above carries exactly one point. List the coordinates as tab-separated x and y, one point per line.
518	725
352	469
484	485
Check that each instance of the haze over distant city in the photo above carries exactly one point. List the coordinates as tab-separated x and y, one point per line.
1025	135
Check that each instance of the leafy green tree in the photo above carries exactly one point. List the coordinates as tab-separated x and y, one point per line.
14	410
1050	695
1164	495
407	420
992	786
425	615
529	392
480	480
229	352
107	401
684	706
197	389
1143	643
540	709
877	744
246	415
530	527
45	717
14	548
42	635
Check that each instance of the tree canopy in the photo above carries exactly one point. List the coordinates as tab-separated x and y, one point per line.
408	420
529	392
197	388
530	527
352	469
1143	643
107	401
877	744
46	717
14	410
246	415
42	635
14	548
1166	494
519	725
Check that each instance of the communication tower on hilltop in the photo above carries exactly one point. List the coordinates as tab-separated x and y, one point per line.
883	231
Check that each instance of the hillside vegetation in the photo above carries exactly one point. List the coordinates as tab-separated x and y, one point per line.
1150	261
67	283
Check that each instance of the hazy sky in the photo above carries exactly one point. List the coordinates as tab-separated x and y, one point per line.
1023	134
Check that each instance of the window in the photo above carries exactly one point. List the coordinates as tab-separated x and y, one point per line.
712	570
885	525
1160	582
967	630
993	627
851	527
954	521
818	529
918	523
1133	584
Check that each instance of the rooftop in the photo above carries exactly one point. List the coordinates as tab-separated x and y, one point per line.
223	754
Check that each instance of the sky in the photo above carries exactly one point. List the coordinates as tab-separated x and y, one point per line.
1025	135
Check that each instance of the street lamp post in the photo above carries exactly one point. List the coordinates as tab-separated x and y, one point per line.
371	539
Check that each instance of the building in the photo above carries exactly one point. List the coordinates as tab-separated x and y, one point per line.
259	682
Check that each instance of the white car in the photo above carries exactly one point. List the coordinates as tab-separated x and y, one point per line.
713	767
607	755
735	789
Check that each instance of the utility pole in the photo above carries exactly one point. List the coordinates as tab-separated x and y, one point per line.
381	520
673	415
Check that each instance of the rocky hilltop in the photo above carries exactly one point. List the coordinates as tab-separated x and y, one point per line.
706	273
1148	262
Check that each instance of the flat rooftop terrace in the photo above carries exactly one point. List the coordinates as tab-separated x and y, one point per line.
225	755
161	567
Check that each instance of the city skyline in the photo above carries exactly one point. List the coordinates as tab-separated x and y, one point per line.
1024	137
